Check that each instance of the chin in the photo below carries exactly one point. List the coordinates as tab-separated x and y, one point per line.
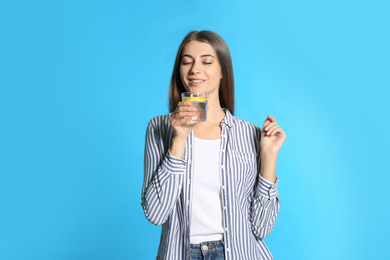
195	89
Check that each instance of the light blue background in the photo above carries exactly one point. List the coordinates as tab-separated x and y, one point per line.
79	81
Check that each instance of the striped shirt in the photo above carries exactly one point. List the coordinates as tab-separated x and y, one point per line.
250	203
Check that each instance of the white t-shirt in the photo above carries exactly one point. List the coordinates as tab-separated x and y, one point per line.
206	217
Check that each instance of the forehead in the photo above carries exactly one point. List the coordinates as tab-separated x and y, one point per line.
196	48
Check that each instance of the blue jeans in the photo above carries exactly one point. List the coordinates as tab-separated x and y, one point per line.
213	250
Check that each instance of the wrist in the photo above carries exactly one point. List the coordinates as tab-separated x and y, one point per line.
181	139
268	154
177	146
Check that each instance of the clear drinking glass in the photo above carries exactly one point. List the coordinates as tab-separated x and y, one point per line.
199	101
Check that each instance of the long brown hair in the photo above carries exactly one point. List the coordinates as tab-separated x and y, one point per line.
226	88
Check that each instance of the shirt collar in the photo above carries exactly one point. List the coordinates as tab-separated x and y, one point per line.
228	119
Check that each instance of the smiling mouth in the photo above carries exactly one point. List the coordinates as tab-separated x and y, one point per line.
196	80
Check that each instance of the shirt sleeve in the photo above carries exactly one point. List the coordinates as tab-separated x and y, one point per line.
265	204
163	178
265	207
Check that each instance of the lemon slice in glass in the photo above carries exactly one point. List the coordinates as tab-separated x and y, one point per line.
195	99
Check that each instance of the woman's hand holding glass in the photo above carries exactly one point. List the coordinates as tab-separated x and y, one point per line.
181	126
180	120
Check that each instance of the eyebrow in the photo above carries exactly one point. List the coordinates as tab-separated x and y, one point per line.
202	56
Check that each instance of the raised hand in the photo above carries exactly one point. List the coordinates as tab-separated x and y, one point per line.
272	136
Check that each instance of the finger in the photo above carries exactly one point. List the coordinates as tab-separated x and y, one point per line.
185	114
272	129
269	125
266	122
186	108
184	103
280	132
190	123
272	118
186	121
275	131
181	121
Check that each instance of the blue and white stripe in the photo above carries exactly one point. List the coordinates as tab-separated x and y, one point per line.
250	203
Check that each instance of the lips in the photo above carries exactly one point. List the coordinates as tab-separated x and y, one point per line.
196	82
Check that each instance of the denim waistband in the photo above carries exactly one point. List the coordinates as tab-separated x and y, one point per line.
208	247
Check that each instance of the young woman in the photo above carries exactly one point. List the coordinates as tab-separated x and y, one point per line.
212	185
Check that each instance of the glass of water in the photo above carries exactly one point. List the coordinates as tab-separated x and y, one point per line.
199	101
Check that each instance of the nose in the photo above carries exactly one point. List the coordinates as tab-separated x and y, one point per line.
196	68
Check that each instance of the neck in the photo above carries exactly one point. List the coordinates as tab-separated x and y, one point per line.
215	114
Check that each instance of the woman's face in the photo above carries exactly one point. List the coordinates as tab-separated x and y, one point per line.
200	69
